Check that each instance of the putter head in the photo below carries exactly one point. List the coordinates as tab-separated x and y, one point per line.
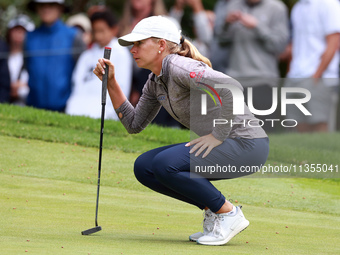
91	230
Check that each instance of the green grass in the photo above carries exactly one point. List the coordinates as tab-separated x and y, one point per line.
48	173
53	127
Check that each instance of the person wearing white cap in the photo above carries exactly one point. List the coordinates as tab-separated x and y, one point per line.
16	32
52	51
82	22
179	76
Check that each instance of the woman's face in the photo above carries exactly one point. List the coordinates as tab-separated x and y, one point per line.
145	53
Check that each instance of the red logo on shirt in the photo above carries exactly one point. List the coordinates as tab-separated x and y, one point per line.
199	76
192	75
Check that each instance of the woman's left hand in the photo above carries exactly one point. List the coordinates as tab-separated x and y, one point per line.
207	142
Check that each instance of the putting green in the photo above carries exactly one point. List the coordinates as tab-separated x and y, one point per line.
48	192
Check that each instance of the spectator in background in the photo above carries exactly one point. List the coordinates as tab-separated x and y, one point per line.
134	11
83	23
203	23
5	82
85	98
52	51
96	8
256	32
16	32
218	53
315	62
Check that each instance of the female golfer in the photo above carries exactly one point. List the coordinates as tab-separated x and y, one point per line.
226	141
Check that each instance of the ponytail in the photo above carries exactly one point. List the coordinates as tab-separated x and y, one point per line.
187	49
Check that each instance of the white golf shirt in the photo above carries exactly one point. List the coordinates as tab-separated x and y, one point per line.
312	21
86	94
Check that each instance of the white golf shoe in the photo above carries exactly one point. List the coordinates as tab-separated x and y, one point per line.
208	225
225	227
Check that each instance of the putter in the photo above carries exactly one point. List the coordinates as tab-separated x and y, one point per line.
107	53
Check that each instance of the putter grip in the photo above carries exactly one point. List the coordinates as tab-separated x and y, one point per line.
107	53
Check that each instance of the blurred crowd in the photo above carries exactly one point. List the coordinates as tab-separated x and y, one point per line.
49	64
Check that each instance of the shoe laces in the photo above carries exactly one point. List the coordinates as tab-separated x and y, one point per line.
209	220
216	231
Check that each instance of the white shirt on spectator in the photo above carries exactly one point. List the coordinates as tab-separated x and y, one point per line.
15	65
86	94
312	21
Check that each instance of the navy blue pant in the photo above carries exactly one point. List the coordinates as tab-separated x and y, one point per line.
167	169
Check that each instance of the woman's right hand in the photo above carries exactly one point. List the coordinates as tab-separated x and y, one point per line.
116	94
100	69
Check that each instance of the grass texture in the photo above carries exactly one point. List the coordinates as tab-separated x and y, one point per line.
48	177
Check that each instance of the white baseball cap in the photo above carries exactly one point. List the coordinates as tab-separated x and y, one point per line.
49	1
31	4
154	26
80	20
21	21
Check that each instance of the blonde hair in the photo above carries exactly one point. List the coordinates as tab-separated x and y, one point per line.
187	49
158	8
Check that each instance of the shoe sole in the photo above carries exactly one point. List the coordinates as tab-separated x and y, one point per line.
194	239
242	226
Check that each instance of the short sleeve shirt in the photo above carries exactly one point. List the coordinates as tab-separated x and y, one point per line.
312	21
